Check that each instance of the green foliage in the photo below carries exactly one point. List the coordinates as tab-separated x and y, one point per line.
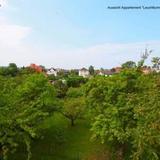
73	105
73	109
144	56
52	77
11	70
124	109
91	70
26	71
146	135
156	62
117	104
75	81
61	88
129	64
23	107
62	74
74	72
74	92
62	142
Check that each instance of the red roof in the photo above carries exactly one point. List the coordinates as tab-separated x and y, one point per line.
36	68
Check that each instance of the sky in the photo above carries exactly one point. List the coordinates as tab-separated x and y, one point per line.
77	33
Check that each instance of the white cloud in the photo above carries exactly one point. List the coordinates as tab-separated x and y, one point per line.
14	48
12	35
103	55
12	45
3	3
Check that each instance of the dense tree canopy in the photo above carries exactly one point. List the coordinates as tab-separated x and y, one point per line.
10	70
129	64
73	105
91	70
23	105
125	110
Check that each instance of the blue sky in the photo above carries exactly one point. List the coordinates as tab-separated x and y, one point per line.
77	33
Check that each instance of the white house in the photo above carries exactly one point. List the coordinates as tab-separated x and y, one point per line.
52	71
84	72
105	72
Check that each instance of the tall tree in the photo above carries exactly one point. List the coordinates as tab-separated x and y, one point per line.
129	64
10	70
144	56
23	107
74	105
125	115
91	70
156	62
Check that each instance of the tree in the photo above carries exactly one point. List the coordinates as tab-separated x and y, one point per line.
3	71
43	68
52	77
62	74
10	70
74	72
73	109
74	92
144	56
24	106
74	105
146	142
75	81
13	69
129	64
61	88
26	71
91	70
156	62
124	114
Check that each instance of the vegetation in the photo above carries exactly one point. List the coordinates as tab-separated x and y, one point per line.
125	115
91	70
114	117
74	105
156	62
24	103
129	64
11	70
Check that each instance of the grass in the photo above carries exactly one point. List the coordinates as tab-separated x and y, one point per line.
60	141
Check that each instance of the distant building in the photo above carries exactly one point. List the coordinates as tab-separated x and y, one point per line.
105	72
117	69
84	72
156	70
37	68
52	71
146	70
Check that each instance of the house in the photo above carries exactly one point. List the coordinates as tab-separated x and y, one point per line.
52	71
157	70
37	68
117	69
146	70
84	72
105	72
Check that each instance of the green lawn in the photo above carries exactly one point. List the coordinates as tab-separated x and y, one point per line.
60	141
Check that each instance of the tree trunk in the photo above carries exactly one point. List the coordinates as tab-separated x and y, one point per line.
1	153
121	152
72	122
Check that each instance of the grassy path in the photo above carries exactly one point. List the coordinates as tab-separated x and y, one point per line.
60	141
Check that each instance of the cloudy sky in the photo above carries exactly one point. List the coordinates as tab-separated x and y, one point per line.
76	33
